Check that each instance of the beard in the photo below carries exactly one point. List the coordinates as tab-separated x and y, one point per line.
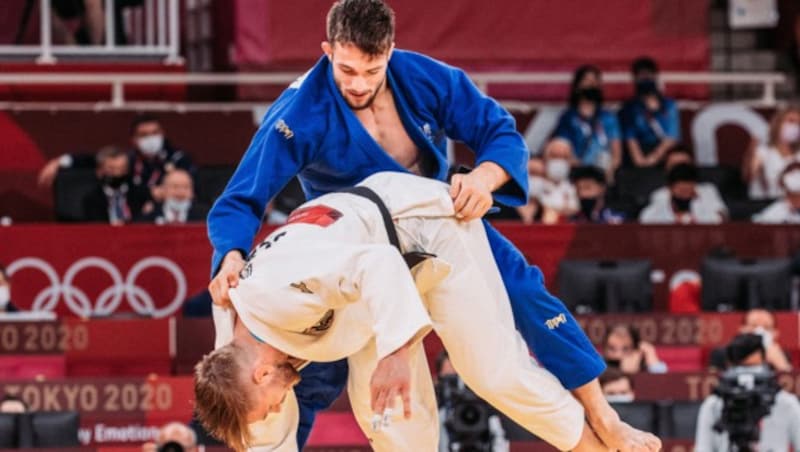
287	374
367	103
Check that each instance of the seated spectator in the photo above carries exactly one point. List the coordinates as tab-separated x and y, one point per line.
764	163
590	186
592	130
776	430
5	292
650	121
12	404
178	206
624	350
684	206
532	212
173	437
115	200
551	187
617	386
707	193
787	208
762	323
151	157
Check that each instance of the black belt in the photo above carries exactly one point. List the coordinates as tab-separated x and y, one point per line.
412	258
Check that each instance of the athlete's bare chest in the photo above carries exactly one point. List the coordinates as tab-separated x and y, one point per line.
386	128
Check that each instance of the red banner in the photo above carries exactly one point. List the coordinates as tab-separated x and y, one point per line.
535	34
151	270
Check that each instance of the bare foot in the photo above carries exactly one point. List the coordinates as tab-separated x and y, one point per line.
619	436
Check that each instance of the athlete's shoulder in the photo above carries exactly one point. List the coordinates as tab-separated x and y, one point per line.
420	64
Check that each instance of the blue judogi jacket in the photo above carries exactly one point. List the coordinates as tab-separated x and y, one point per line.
311	132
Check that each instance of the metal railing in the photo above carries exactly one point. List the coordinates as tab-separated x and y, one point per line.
119	81
153	29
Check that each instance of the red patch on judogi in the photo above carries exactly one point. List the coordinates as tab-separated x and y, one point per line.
319	215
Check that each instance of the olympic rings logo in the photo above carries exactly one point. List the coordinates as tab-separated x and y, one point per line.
109	299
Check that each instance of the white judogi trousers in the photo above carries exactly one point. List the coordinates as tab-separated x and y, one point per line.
469	310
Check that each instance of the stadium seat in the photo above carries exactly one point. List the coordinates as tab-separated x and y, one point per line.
678	419
727	179
45	429
210	181
641	415
744	209
605	286
635	185
70	188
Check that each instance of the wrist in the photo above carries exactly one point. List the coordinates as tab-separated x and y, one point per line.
492	175
233	256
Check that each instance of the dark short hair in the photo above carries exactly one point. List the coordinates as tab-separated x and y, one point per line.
743	346
632	331
108	152
141	119
587	172
644	63
368	24
577	77
684	172
613	374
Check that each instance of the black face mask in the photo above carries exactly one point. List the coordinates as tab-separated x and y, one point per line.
114	181
681	204
613	363
587	206
171	446
591	94
646	87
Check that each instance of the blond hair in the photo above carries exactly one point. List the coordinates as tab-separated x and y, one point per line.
221	397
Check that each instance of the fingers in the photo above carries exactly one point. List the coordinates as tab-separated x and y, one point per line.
455	185
233	279
405	395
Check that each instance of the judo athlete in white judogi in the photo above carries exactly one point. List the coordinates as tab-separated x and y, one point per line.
329	285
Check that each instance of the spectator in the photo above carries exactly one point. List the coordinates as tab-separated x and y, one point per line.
178	206
553	188
592	130
777	429
760	322
12	404
5	292
151	157
786	209
684	206
624	350
617	386
173	437
532	211
115	200
89	13
707	193
650	121
590	186
764	163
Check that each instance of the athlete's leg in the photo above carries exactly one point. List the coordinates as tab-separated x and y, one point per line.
560	346
471	314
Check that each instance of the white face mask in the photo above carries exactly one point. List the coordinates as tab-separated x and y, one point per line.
766	337
151	144
790	132
619	398
557	169
177	204
5	296
791	181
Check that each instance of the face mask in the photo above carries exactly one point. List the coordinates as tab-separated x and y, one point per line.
766	337
557	169
114	181
150	145
681	204
619	398
587	206
613	363
646	87
176	204
5	296
791	181
591	94
790	132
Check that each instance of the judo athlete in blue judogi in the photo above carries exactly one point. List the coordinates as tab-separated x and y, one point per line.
366	107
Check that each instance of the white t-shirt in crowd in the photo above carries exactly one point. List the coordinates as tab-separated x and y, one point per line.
773	164
659	211
779	212
707	194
